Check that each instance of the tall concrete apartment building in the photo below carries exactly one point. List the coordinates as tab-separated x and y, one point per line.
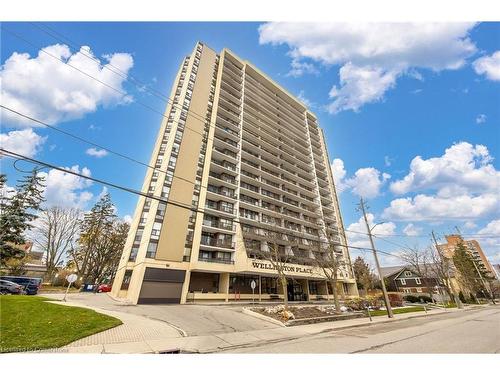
472	247
237	160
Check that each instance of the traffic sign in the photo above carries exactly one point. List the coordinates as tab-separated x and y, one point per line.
71	278
253	284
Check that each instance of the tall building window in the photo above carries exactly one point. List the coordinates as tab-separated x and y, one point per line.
126	279
151	251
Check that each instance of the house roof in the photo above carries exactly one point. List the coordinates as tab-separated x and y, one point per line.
389	271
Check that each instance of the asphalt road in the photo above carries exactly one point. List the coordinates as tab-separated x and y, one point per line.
472	331
194	320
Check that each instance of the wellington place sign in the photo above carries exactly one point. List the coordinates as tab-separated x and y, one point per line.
286	268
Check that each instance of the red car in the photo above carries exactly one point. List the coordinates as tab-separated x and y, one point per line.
104	288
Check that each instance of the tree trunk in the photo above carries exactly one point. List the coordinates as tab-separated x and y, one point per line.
336	302
285	290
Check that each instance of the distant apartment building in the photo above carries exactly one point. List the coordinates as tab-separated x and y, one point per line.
237	159
472	247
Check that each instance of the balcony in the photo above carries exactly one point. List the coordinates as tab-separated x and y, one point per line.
219	207
214	242
219	225
225	178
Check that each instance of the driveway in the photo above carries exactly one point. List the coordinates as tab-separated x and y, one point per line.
190	320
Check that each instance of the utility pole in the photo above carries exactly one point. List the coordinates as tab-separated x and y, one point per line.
446	262
384	291
486	287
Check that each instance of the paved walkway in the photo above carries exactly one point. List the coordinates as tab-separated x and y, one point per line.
135	328
195	320
110	342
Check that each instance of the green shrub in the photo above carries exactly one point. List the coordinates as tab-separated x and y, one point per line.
425	299
411	299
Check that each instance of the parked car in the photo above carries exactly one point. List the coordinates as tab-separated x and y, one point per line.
30	284
8	287
104	288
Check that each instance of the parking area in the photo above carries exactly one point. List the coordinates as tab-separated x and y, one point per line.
193	320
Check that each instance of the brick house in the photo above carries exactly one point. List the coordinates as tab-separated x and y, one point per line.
405	280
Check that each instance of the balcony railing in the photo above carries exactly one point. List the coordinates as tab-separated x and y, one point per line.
220	225
209	241
216	260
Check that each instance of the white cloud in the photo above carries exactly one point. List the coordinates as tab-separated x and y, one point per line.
127	219
301	68
428	207
481	118
338	173
470	224
372	55
48	90
67	190
489	66
360	85
25	142
366	182
463	168
387	161
356	232
491	240
412	230
461	184
95	152
7	191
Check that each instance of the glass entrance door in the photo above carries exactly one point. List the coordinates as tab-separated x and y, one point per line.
295	291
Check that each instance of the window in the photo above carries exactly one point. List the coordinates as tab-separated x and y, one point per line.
407	273
151	251
155	232
417	280
419	290
126	279
403	281
133	254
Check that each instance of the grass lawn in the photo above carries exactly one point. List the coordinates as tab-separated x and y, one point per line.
397	310
31	323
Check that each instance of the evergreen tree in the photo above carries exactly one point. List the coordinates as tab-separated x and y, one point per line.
365	279
101	241
467	272
17	213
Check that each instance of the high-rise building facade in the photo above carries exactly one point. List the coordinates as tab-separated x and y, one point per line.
238	160
472	247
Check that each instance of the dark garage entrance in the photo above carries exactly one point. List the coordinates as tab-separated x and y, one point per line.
161	286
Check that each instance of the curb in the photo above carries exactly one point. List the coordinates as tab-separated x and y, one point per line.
262	317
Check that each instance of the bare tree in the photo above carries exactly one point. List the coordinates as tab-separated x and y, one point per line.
55	231
275	252
441	268
329	260
420	262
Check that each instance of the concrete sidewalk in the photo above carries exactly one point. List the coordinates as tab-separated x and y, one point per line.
104	342
135	328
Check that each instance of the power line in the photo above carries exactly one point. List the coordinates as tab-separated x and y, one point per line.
151	196
479	235
92	143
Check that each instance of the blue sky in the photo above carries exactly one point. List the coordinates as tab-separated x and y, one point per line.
385	94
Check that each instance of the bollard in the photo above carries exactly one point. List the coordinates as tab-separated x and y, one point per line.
425	308
369	315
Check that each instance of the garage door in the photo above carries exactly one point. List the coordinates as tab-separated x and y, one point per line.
161	286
